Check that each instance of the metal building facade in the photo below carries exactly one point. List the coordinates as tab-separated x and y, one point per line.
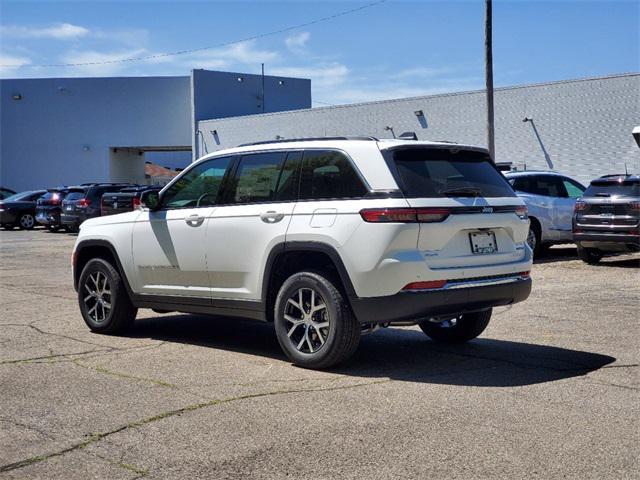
56	131
578	127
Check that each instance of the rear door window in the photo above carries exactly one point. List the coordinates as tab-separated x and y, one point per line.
436	173
256	178
329	174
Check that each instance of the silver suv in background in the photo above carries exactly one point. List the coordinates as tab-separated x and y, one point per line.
607	217
550	198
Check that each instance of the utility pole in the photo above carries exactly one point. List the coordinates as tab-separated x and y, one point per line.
488	71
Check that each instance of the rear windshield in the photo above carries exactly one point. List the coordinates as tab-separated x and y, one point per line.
437	173
74	195
611	189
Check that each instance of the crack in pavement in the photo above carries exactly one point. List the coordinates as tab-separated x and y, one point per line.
28	427
106	371
96	437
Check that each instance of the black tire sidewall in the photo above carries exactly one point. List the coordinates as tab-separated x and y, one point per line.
319	284
102	266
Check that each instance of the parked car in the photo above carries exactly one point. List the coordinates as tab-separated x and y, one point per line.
49	206
19	210
124	200
384	232
607	217
79	205
550	198
6	192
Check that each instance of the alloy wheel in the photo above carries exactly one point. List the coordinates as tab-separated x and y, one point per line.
307	320
27	221
98	299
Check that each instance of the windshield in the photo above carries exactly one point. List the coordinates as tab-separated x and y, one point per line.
433	173
613	189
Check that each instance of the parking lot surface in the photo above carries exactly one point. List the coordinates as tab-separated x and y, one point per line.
551	389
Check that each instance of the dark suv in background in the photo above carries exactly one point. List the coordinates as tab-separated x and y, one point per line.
49	207
125	200
607	217
84	203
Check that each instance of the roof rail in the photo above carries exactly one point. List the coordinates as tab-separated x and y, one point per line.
307	139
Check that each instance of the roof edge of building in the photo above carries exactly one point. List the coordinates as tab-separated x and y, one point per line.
437	95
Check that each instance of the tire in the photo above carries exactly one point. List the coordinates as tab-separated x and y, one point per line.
100	319
53	228
26	221
7	227
459	329
589	255
322	338
534	238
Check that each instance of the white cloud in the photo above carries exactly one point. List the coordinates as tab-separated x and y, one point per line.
57	31
11	63
91	56
323	76
424	72
298	41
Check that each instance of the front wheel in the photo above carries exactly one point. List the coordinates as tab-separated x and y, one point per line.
459	329
314	324
104	302
589	255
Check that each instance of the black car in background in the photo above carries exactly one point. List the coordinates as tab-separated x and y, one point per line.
125	200
80	205
19	210
606	218
5	193
49	207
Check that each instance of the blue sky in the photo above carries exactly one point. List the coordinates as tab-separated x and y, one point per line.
394	49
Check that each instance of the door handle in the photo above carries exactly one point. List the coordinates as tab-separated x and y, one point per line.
194	220
271	216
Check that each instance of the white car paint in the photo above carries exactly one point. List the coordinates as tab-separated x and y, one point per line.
221	252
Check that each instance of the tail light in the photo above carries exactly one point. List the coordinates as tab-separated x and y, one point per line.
54	200
579	206
83	203
634	205
522	212
404	215
136	203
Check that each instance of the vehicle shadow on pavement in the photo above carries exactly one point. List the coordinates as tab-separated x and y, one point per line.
557	254
395	353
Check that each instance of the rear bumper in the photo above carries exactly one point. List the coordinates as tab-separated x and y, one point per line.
608	241
48	218
413	306
67	219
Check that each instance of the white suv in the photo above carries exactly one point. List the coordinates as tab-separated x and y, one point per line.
326	238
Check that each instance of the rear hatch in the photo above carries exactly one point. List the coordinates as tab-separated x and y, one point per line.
119	202
51	200
469	215
610	205
73	202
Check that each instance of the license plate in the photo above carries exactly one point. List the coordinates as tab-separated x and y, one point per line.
68	209
483	243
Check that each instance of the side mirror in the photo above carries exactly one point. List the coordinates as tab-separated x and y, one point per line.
150	199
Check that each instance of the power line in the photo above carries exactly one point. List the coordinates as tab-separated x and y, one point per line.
193	50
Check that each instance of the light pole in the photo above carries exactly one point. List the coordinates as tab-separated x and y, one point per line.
488	71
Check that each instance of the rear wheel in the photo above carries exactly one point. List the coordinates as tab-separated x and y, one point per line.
459	329
104	302
26	221
314	324
534	238
589	255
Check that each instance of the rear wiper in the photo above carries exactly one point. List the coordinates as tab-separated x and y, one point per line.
461	192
